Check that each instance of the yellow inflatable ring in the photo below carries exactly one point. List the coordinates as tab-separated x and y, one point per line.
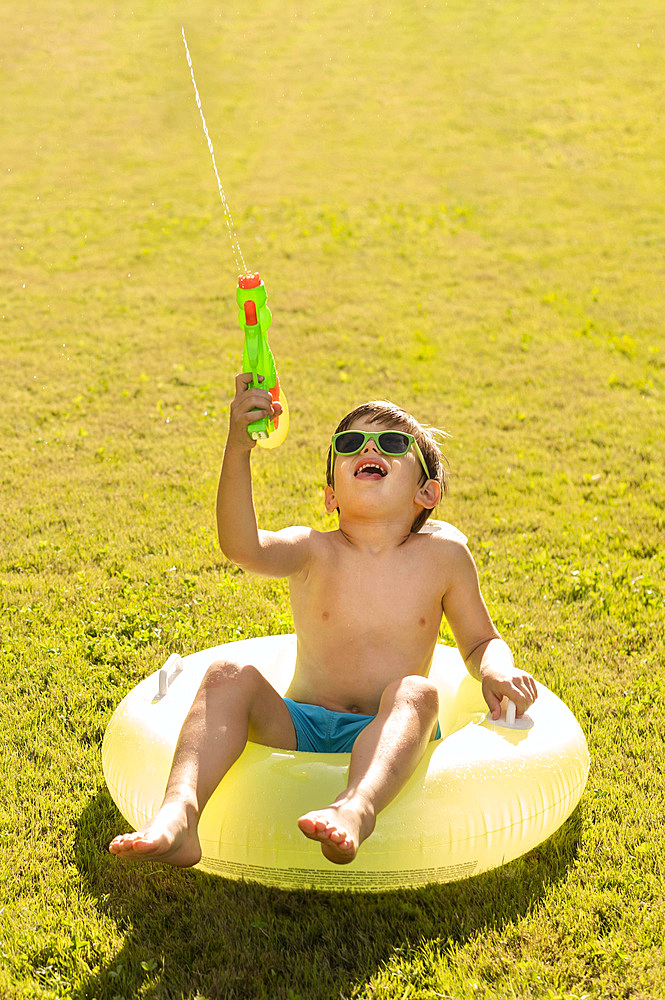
482	795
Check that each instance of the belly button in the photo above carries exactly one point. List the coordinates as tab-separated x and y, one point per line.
422	622
325	616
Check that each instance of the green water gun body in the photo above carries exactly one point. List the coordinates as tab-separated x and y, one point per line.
255	319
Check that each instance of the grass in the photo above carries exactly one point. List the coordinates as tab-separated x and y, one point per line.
455	205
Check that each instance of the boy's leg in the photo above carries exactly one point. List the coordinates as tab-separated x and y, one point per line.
384	757
234	703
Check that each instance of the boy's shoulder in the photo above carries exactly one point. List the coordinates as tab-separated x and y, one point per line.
443	529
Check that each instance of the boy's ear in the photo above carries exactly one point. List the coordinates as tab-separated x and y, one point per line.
330	500
429	495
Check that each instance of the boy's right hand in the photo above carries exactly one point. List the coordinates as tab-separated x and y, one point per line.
246	406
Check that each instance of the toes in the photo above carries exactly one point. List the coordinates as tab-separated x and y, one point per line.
320	828
308	826
129	842
314	826
120	843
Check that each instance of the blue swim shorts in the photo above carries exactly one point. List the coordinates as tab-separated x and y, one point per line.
318	730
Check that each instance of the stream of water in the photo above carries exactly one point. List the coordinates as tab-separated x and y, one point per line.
233	236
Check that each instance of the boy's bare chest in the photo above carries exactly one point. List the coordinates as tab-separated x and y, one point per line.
381	593
362	623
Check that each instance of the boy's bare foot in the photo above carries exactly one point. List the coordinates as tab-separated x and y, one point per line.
171	836
340	829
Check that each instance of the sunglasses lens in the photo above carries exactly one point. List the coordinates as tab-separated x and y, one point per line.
394	443
349	442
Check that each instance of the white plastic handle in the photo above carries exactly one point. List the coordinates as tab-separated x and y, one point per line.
169	672
509	720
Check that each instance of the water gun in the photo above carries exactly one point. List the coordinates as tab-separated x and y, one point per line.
255	319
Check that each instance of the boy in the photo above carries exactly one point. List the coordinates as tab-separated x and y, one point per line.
367	601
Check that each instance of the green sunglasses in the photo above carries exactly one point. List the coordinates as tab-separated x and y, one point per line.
388	442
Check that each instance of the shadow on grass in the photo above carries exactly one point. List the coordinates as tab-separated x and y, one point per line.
188	934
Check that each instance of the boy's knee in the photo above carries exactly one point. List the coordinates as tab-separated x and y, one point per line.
420	692
223	672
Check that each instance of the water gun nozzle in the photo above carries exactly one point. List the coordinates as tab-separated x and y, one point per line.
251	279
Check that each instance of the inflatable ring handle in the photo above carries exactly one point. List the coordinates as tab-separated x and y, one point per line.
168	674
509	720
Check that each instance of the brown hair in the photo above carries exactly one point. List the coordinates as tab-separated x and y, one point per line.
380	411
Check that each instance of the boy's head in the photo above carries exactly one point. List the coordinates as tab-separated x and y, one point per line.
389	415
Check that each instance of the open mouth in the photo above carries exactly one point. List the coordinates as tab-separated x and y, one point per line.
370	470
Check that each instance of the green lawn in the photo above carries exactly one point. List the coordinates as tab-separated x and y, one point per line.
455	205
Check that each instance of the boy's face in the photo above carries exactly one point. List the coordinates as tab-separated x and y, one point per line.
380	484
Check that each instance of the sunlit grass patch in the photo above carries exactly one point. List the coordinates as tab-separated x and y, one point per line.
452	206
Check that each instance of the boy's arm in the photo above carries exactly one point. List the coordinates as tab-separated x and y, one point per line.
487	657
273	553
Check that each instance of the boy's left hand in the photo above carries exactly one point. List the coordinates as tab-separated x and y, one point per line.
518	686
